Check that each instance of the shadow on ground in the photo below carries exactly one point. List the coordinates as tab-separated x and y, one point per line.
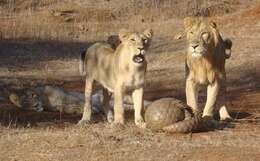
29	53
243	87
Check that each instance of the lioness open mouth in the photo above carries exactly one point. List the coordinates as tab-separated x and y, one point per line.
139	58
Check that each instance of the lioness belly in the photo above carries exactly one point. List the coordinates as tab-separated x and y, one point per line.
103	69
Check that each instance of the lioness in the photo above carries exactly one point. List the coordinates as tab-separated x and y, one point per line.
205	64
120	71
52	98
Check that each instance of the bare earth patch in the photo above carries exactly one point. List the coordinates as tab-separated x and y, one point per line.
44	48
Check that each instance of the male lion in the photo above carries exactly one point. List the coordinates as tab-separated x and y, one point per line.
120	71
205	64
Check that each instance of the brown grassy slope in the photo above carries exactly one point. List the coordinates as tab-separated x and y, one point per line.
49	35
41	40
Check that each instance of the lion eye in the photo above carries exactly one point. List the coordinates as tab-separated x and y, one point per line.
205	36
132	39
191	32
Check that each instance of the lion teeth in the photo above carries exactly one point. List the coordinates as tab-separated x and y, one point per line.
138	58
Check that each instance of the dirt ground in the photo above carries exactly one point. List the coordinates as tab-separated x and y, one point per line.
40	42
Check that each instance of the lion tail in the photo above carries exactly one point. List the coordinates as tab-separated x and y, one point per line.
185	126
228	45
82	69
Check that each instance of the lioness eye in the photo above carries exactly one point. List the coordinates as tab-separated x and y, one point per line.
191	32
133	39
145	40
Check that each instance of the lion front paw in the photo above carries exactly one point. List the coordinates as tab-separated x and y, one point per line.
83	123
119	119
140	123
117	125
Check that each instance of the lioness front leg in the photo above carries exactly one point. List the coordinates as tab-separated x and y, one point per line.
86	117
138	107
192	94
118	105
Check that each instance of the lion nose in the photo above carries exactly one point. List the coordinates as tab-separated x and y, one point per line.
141	50
195	46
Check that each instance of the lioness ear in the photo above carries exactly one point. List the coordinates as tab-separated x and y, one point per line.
148	33
188	22
213	24
15	100
123	34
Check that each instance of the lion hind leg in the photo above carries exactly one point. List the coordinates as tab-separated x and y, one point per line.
106	105
221	107
224	114
88	99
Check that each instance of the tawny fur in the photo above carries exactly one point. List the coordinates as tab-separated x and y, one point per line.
205	65
51	98
117	72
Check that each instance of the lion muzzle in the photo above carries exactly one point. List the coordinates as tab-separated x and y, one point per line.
140	58
196	51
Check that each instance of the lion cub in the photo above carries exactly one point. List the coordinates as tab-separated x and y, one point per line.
120	71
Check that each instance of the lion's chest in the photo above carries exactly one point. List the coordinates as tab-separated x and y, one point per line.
202	72
134	80
200	75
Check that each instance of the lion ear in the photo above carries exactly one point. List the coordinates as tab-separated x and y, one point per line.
14	98
189	22
123	34
213	24
148	33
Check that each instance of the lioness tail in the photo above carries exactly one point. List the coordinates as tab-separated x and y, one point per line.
82	70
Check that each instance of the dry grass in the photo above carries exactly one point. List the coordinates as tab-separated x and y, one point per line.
40	41
92	143
86	20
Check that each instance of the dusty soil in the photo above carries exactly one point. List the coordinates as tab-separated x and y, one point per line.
40	42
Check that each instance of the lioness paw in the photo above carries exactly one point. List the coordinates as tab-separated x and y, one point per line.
119	121
140	123
83	123
117	125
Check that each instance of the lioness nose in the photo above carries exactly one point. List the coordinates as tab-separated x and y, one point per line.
142	48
